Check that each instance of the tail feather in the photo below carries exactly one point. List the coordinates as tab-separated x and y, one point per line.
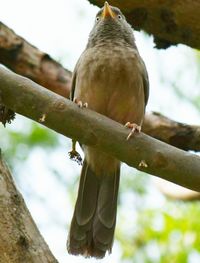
107	200
87	196
93	223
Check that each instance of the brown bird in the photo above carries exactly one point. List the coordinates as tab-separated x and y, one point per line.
111	77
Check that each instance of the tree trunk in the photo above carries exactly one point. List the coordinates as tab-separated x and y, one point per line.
20	240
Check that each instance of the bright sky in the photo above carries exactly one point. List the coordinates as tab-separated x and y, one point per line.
61	28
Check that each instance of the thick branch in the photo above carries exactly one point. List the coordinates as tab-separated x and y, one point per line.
19	55
142	152
170	22
25	59
180	135
20	240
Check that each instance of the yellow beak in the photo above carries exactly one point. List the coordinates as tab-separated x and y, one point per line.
107	11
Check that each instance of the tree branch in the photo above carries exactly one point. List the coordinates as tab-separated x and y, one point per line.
174	191
90	128
20	240
170	22
180	135
25	59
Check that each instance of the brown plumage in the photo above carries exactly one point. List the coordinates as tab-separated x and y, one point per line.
111	77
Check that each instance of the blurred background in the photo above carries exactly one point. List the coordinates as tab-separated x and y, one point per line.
150	227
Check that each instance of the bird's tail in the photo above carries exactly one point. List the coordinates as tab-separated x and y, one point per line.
93	223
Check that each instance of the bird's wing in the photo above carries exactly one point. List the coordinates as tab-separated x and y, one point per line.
73	84
74	75
145	83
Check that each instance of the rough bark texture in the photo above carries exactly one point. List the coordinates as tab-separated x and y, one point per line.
170	22
88	127
20	240
27	61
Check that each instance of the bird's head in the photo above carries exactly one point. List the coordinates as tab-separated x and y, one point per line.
110	24
110	14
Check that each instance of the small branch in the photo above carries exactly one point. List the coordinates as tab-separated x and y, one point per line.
174	191
91	128
170	22
25	59
20	240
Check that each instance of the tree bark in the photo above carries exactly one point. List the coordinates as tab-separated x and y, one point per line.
20	240
90	128
170	22
180	135
25	59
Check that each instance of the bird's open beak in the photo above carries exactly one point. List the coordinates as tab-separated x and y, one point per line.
107	11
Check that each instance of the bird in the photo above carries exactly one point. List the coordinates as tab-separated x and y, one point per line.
110	78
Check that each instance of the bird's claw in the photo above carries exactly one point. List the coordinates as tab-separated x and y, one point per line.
80	103
134	129
75	156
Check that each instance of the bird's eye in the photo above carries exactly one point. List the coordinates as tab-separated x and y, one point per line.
120	17
97	18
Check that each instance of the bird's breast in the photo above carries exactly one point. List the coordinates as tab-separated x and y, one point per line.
110	81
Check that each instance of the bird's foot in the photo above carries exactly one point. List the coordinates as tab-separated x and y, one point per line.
80	103
134	129
74	155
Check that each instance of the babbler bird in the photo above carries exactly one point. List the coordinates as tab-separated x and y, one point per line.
111	77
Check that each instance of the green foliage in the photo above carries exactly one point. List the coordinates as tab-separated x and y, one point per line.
167	234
